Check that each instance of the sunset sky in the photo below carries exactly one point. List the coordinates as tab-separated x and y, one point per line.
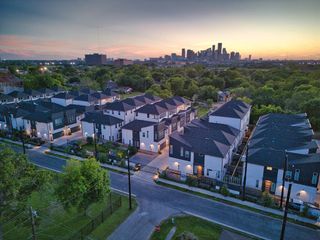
65	29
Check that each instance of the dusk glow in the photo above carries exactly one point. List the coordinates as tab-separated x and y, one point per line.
284	29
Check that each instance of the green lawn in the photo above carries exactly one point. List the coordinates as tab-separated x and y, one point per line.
200	228
202	111
53	222
132	94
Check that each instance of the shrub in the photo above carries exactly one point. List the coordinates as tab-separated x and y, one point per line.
187	236
89	140
224	190
192	181
132	150
266	199
305	210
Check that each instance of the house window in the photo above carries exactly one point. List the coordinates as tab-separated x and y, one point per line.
104	126
143	134
112	112
171	149
118	112
116	126
147	134
257	183
314	178
296	174
136	114
148	115
187	154
181	151
208	171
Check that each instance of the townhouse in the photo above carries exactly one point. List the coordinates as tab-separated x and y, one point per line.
205	146
234	113
153	122
283	142
106	128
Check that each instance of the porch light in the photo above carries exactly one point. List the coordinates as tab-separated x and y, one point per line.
269	168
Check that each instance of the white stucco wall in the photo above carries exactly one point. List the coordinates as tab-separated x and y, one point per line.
181	165
81	103
127	137
254	173
62	102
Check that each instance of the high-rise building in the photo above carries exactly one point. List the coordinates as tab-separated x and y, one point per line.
232	56
237	56
190	54
250	57
219	51
95	59
183	53
213	51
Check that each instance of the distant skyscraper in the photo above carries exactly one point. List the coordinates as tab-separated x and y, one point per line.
219	50
183	53
237	56
250	57
232	56
95	59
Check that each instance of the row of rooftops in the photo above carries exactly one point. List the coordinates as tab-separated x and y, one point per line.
278	134
39	110
84	94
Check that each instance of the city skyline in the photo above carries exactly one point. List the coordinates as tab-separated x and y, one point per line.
142	29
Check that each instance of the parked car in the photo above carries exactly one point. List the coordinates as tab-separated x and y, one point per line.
137	167
295	204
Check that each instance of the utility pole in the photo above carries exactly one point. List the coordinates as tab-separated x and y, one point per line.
33	224
129	180
284	176
245	174
284	221
23	144
95	140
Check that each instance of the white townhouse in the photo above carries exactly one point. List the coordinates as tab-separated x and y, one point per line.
106	128
203	149
234	113
282	141
63	99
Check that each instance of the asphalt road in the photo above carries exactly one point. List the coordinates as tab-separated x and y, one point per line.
158	202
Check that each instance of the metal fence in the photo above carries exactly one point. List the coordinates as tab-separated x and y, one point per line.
100	218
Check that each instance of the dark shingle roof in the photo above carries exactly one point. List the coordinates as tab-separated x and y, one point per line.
133	102
100	118
147	98
207	138
39	117
136	125
17	94
5	97
86	98
118	106
64	96
152	109
275	133
232	109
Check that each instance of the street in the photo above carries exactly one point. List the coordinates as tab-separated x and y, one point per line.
157	203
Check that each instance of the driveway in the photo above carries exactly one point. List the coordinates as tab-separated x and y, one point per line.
68	138
143	158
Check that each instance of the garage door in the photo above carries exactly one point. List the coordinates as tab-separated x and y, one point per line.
75	129
57	135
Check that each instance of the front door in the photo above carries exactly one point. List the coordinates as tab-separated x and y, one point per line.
267	186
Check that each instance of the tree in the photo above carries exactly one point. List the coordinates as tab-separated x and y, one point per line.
258	111
82	183
19	178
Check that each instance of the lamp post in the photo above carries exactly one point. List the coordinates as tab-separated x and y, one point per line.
284	221
22	140
129	178
284	176
245	174
95	140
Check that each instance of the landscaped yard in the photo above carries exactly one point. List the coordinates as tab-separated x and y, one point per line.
202	111
202	229
53	222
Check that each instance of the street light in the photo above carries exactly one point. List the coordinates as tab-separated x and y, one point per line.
284	221
129	178
245	174
284	176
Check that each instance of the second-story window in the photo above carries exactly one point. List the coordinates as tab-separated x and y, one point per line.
118	112
147	134
187	154
314	178
136	114
171	149
148	115
143	134
181	151
296	174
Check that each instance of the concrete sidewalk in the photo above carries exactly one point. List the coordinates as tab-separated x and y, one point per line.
238	201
